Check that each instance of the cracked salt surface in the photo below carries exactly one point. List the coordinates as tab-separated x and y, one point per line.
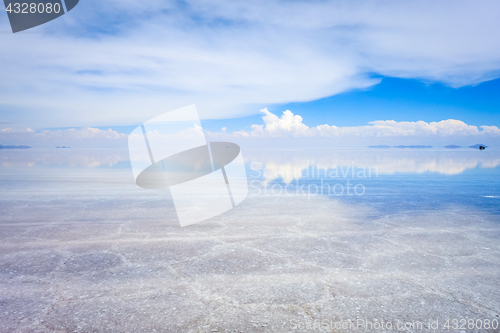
84	250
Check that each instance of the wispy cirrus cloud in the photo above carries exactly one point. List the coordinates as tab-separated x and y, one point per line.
121	62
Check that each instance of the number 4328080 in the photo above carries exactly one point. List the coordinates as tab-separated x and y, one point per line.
464	324
33	8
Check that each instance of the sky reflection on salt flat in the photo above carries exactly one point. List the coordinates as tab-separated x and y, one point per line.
391	180
287	165
292	165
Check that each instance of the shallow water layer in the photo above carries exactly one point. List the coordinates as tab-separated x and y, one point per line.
324	237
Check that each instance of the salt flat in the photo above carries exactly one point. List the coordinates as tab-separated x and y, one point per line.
85	250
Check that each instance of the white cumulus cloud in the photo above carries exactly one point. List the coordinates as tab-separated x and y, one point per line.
290	125
286	128
289	130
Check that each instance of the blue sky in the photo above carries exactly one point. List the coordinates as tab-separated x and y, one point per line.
346	64
406	100
395	99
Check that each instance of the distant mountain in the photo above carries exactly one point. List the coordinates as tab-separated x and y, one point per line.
476	146
413	146
14	147
452	146
379	146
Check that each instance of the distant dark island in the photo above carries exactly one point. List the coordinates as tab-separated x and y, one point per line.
452	146
413	146
63	147
478	146
14	147
380	146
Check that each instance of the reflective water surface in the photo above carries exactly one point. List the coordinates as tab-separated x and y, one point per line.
392	235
